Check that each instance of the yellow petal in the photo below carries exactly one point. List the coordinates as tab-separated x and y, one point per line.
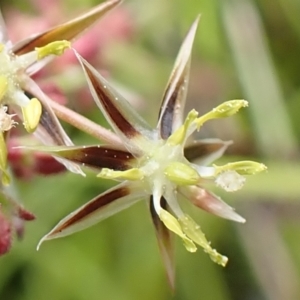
32	114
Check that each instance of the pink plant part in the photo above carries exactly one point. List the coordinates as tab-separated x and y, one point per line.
54	92
118	25
25	214
20	96
5	234
25	165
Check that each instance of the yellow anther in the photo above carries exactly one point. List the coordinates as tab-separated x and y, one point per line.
181	174
193	231
224	110
172	224
246	167
32	114
131	174
179	136
56	48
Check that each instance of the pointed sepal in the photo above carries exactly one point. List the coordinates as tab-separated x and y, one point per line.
173	102
165	243
66	31
127	123
49	131
96	157
205	151
210	203
101	207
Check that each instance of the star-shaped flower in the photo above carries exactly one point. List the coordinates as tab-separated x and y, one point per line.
154	163
19	92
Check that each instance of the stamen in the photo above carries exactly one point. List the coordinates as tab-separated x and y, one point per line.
32	114
224	110
172	224
181	174
182	133
56	48
131	174
246	167
193	231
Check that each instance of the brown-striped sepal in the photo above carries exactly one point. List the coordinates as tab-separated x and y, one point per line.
99	208
206	150
49	131
172	107
127	123
66	31
96	157
165	242
210	203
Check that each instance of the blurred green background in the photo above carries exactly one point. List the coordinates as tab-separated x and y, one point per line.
243	49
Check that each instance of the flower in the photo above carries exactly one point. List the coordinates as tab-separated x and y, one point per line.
21	97
19	92
154	163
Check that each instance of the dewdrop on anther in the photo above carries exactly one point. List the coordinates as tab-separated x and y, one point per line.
230	181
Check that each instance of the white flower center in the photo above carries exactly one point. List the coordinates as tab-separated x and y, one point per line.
11	72
153	165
